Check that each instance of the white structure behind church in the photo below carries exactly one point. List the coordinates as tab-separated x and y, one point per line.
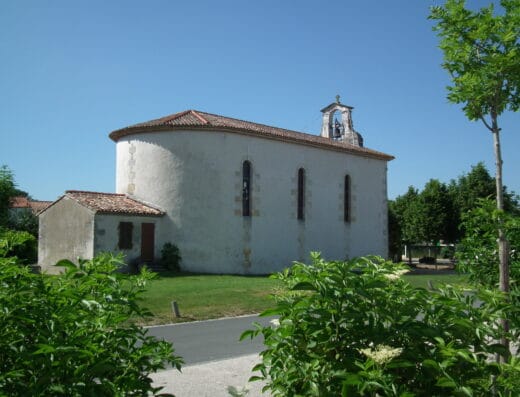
246	198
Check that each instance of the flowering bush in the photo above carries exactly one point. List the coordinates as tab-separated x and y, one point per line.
70	335
357	328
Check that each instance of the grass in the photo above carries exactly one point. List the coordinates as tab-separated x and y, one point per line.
201	297
421	280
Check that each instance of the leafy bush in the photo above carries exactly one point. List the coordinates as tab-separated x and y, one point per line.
357	328
447	252
70	335
21	245
171	257
477	253
429	260
25	221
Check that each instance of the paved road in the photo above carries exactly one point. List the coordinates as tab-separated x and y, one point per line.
211	340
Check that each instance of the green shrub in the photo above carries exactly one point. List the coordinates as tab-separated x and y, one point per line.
357	329
447	252
429	260
171	257
477	253
25	221
70	335
19	244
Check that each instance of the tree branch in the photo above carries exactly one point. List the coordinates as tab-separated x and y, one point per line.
486	123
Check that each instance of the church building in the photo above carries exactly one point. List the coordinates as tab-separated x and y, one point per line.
235	196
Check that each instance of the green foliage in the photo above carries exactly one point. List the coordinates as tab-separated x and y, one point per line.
435	213
447	252
425	216
70	335
406	209
478	184
394	234
482	55
7	190
477	253
357	328
21	245
430	260
171	257
24	220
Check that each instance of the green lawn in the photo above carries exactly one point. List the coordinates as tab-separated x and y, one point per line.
202	297
436	279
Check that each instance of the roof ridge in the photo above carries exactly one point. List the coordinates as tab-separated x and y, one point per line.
255	123
196	119
91	192
173	116
197	115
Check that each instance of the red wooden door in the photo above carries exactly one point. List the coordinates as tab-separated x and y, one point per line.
147	242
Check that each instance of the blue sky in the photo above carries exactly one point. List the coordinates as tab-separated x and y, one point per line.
72	71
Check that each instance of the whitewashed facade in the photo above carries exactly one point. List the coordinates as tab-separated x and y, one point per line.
84	224
234	196
191	165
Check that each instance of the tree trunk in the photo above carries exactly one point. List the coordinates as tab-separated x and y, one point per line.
503	250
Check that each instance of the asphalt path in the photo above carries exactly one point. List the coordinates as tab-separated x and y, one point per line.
203	341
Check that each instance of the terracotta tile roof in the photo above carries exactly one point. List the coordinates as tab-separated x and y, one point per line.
24	202
19	202
39	206
194	119
111	203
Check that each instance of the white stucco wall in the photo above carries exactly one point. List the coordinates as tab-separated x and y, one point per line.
196	177
106	235
66	231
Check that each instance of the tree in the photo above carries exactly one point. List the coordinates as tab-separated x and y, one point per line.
476	253
477	184
7	190
436	212
482	55
394	234
406	212
406	209
426	216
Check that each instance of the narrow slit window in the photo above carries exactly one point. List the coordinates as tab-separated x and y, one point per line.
125	235
246	188
346	199
301	194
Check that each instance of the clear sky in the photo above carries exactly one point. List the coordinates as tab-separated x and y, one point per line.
73	71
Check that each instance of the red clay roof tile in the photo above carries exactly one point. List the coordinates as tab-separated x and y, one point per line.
24	202
194	119
111	203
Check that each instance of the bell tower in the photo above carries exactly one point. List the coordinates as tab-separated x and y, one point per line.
340	130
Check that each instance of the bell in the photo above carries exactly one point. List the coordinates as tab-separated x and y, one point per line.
337	130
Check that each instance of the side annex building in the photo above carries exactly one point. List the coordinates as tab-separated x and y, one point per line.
234	196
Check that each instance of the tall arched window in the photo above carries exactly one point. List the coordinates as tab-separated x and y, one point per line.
301	194
346	199
246	188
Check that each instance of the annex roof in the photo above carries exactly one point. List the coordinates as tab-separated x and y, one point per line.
111	203
19	202
197	120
